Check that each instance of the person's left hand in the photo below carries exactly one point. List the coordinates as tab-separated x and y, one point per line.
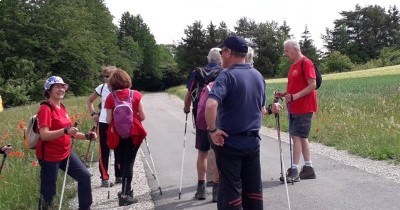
276	107
92	135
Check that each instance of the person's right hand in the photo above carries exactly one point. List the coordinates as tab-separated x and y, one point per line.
6	149
218	137
95	118
186	110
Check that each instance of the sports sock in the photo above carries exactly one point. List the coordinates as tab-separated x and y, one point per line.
295	166
308	163
201	182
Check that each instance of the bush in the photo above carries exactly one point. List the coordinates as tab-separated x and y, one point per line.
336	62
390	56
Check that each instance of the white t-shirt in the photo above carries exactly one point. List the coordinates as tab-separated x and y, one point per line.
103	91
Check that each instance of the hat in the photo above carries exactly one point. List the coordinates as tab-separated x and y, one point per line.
53	80
236	43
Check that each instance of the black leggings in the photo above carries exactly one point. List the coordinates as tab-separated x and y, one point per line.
127	152
104	154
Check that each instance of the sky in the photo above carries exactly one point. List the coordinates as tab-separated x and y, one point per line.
167	19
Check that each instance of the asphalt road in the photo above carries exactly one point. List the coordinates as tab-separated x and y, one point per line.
337	186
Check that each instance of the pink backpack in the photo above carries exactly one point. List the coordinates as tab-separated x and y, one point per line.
201	106
123	115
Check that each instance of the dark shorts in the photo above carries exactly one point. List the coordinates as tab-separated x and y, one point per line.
300	124
202	141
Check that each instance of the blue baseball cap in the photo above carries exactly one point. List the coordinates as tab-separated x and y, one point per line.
236	43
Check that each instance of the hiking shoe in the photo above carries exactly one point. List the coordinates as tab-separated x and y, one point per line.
201	192
215	192
128	200
291	178
118	180
106	183
307	173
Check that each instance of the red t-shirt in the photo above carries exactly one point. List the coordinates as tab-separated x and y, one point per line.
54	119
297	81
121	94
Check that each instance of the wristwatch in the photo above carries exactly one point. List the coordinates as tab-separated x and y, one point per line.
93	113
212	130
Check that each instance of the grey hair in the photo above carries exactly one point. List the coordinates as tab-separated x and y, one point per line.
250	55
214	56
292	43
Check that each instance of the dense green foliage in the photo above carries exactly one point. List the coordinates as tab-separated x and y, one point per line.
74	39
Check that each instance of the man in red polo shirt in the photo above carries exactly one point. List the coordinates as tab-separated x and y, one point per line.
301	98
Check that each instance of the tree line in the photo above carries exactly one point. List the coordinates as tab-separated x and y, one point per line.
75	38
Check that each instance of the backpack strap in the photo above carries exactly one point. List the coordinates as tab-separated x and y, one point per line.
116	99
101	90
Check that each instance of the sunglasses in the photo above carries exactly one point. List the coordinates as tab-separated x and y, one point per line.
106	76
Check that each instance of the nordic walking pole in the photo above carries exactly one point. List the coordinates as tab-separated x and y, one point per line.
66	171
290	142
2	162
154	167
148	165
109	184
183	159
278	130
4	159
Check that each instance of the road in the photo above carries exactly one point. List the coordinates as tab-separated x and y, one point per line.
338	186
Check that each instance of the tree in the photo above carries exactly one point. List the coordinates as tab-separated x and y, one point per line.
362	33
149	72
193	50
307	46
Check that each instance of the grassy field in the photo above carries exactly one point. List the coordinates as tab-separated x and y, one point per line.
19	180
358	112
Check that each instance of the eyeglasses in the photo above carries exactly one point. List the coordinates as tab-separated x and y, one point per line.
106	76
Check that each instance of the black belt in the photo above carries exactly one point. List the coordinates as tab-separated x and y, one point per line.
247	134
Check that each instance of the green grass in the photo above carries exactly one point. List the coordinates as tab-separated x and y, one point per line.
19	180
358	112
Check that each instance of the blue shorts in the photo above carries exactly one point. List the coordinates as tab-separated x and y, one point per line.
300	124
202	140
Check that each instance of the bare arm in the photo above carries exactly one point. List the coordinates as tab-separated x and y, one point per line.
312	84
109	116
188	100
91	99
140	113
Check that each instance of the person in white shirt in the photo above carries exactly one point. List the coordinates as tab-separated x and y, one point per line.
102	91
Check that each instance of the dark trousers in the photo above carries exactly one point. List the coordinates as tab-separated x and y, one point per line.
127	152
240	185
105	154
76	170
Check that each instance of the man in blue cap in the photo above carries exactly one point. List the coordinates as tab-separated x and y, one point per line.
238	99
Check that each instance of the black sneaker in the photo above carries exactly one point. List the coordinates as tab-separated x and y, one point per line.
307	173
118	180
106	183
215	192
291	178
125	200
201	191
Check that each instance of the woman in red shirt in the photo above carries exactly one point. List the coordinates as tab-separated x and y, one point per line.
120	84
54	146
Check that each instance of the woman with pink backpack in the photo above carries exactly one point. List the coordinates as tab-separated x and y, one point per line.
124	115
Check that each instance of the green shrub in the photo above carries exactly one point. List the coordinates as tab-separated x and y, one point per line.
336	62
